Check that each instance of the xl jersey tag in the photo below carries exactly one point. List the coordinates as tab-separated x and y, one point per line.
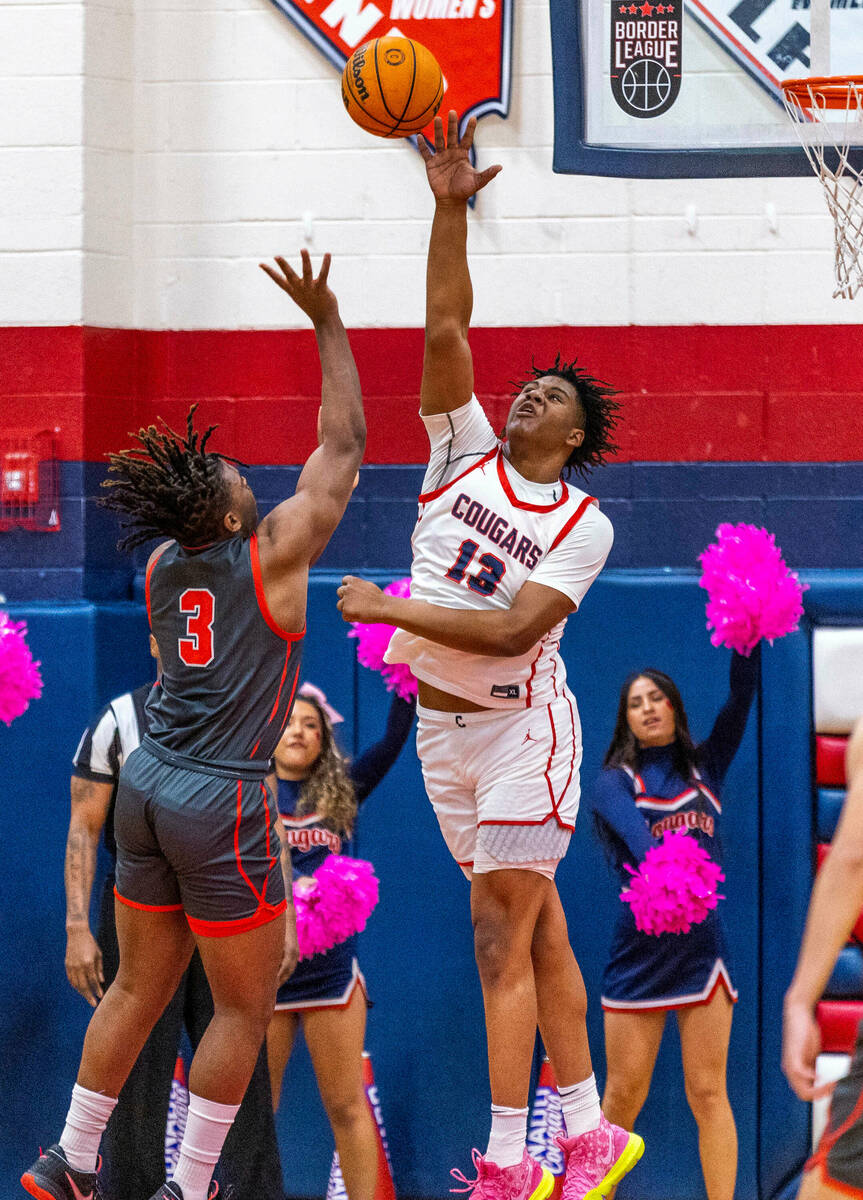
505	691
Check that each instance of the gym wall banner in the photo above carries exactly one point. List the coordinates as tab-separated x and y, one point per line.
471	39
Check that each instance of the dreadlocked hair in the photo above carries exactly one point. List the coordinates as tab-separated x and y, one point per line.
169	486
600	414
327	790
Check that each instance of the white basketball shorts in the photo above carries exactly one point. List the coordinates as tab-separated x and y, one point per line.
504	785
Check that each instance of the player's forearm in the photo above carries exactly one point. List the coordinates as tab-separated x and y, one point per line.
491	632
837	900
78	874
343	425
449	293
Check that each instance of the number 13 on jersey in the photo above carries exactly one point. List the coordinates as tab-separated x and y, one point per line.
198	606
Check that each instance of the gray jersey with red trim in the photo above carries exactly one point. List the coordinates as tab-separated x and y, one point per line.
228	671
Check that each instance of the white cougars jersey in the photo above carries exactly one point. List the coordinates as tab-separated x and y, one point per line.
482	533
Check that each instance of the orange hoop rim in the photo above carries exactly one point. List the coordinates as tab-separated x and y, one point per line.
833	90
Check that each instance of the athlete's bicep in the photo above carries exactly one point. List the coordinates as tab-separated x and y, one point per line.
447	379
536	609
298	529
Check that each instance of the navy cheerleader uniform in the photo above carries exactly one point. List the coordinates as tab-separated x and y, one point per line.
633	811
328	980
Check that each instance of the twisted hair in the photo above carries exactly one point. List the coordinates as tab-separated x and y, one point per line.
168	486
327	791
600	414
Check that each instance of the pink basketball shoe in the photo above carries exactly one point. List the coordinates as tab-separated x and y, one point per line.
597	1161
527	1180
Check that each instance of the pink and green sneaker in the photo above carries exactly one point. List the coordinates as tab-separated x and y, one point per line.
527	1180
597	1161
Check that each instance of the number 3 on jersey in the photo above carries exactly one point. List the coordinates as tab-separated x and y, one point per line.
198	606
485	581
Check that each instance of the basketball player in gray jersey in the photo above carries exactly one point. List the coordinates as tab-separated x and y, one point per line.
197	838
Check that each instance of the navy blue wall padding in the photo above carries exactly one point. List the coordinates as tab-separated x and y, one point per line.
786	831
425	1031
846	981
829	803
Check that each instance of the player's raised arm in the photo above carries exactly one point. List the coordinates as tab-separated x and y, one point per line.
296	531
447	381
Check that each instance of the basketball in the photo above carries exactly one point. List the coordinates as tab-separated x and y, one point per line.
392	87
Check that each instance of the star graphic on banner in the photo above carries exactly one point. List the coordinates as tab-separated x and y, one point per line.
622	9
660	8
632	9
646	9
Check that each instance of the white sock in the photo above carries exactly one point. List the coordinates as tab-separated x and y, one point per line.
207	1127
580	1104
508	1135
85	1123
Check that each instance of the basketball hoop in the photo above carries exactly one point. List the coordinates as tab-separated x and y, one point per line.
827	112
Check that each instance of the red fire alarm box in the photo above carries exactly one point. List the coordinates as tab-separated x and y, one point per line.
29	481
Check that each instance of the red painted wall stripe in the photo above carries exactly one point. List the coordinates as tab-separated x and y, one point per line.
783	393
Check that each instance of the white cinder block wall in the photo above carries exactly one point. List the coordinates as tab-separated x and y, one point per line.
153	152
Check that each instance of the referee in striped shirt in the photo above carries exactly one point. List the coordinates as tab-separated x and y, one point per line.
133	1147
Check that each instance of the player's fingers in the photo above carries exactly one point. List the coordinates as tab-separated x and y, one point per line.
93	985
486	176
325	269
467	137
439	143
274	275
452	129
290	274
424	147
306	258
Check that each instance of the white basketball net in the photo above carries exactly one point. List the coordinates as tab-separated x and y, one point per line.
828	135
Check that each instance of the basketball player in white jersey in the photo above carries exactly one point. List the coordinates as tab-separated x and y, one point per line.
503	551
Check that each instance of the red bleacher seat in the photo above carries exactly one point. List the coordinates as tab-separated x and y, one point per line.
830	760
838	1021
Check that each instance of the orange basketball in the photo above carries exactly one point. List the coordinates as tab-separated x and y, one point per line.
392	87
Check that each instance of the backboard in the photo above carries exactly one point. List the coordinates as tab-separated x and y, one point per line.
670	88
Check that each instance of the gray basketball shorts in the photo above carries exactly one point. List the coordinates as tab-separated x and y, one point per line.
840	1151
198	842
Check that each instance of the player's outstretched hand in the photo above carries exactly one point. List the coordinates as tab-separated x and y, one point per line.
360	600
308	292
801	1045
450	173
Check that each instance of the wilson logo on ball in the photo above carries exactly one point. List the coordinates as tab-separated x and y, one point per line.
392	87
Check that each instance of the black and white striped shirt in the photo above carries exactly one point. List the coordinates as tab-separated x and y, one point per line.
106	744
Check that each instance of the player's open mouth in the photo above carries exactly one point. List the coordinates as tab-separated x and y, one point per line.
525	410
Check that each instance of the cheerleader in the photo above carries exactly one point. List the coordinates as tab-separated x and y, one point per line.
656	779
318	795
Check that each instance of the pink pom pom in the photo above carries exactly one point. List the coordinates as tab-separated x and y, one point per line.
372	642
337	905
751	592
20	681
674	887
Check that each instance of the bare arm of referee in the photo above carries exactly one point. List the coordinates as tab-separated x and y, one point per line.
90	801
